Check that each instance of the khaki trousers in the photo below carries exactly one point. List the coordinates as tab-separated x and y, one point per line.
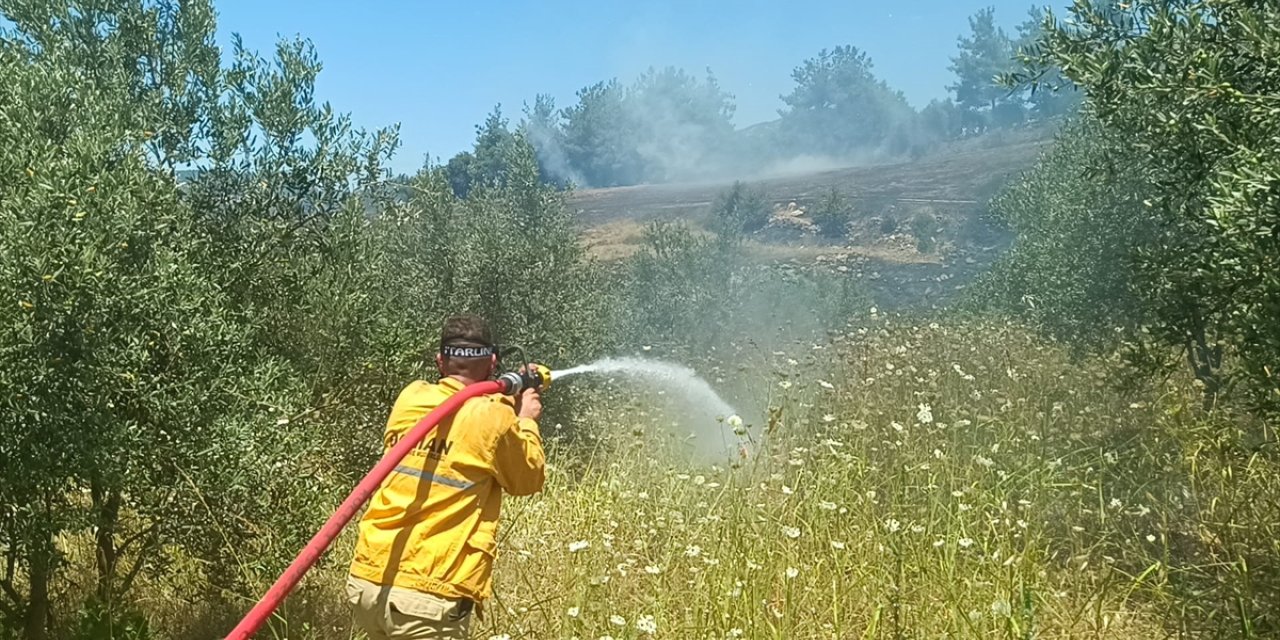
393	613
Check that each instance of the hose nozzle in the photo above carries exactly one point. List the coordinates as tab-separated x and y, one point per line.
534	376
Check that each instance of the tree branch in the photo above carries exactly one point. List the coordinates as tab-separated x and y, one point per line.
124	546
150	545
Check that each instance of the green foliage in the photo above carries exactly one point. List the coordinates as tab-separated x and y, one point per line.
838	107
680	288
542	128
739	210
942	119
984	58
688	291
925	228
1188	86
832	214
598	140
984	54
667	125
99	622
1053	94
485	164
1078	241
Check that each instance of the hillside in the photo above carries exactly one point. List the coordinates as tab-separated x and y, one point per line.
945	192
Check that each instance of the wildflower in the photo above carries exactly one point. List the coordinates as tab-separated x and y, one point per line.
734	633
1001	608
837	545
734	421
915	528
500	637
692	551
785	384
828	418
892	525
751	566
828	506
897	427
984	461
963	423
573	612
786	491
653	570
699	480
1115	503
1151	538
1022	524
925	414
939	542
826	385
791	532
618	620
957	493
965	542
578	545
792	572
646	624
643	495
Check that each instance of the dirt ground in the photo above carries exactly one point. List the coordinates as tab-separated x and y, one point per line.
946	192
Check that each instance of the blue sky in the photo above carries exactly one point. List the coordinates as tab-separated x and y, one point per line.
438	68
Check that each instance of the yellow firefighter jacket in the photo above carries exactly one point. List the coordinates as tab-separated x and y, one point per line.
431	526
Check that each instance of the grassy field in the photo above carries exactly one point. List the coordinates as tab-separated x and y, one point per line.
909	482
956	480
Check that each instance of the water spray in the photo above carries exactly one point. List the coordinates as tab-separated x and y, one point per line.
674	376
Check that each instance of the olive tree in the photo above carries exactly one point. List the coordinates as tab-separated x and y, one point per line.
178	356
1190	87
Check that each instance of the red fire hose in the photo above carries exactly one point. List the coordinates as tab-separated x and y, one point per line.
323	538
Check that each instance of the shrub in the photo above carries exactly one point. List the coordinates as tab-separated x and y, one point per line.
739	209
832	214
923	227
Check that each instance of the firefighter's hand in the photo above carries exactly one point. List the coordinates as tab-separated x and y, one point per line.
529	405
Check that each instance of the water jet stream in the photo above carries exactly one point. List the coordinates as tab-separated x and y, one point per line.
668	374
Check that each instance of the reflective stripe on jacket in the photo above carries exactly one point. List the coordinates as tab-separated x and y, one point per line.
432	525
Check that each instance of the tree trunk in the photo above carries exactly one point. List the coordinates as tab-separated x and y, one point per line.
40	569
1205	361
106	515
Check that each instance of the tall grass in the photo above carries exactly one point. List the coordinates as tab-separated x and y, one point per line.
911	481
965	480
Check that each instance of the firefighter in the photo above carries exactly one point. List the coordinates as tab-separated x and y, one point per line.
424	557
